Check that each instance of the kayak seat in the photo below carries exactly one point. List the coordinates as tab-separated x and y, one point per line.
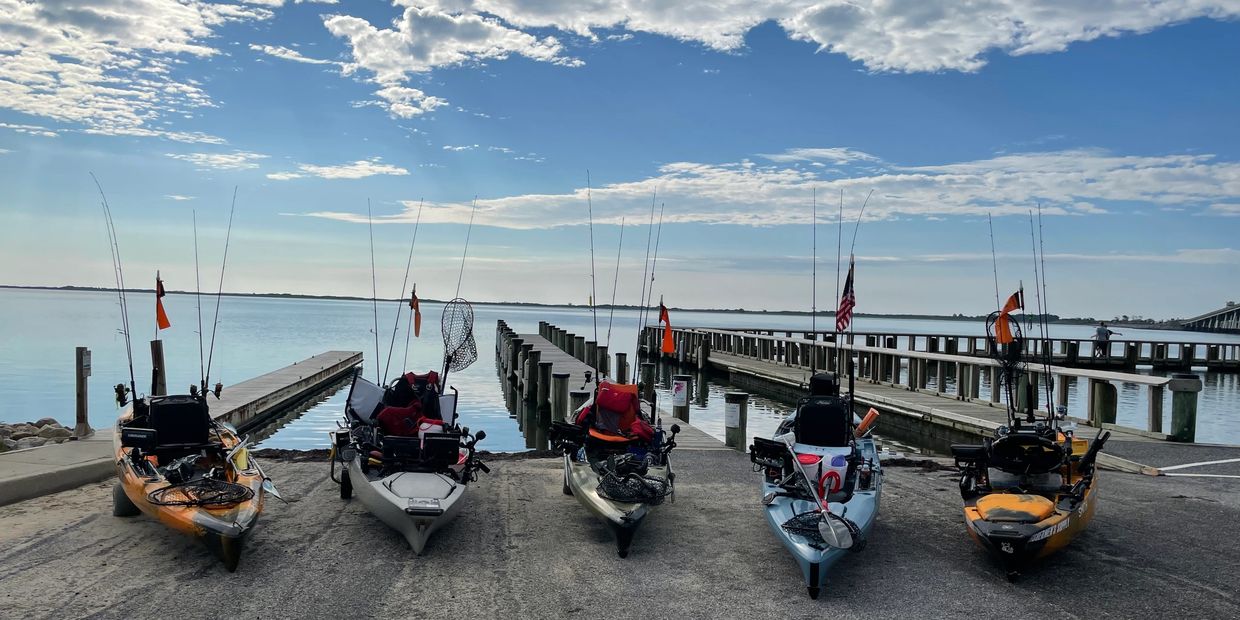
823	421
1049	482
610	438
364	402
1026	453
182	425
1014	508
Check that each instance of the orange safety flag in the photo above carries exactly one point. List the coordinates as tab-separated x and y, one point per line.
417	313
1003	329
161	317
669	346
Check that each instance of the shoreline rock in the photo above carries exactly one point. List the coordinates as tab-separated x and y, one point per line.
19	435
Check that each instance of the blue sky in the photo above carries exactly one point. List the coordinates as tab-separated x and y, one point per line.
1119	119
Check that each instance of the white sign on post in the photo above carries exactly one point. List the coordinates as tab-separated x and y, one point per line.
680	393
732	415
86	363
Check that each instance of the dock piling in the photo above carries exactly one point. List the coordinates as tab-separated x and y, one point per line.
159	382
622	367
81	372
1184	390
681	384
735	417
543	386
576	399
532	358
559	396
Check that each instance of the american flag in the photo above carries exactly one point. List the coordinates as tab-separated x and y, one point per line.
843	316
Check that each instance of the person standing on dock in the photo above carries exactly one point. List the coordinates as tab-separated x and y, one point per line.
1102	339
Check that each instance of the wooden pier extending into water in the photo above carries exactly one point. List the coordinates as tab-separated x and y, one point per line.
543	381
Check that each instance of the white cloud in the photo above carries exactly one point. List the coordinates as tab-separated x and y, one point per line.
290	54
237	160
106	66
33	130
4	151
459	148
426	38
407	102
837	155
1071	183
359	169
1230	209
884	35
178	197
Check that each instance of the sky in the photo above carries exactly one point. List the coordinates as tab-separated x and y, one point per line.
732	122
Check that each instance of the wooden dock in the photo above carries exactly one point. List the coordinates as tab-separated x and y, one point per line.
1118	354
250	403
518	359
926	415
47	469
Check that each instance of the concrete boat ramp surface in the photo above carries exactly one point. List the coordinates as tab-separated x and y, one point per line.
1159	547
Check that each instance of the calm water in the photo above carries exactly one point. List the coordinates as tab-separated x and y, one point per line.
39	330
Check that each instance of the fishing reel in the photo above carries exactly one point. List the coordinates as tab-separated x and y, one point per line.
122	394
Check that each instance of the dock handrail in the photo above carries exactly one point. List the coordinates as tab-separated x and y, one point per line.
880	364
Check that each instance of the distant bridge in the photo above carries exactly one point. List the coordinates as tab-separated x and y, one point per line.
1225	320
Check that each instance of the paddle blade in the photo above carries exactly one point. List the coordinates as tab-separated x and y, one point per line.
835	532
270	488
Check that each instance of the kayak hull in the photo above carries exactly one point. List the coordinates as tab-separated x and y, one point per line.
1016	545
814	558
623	518
415	504
221	529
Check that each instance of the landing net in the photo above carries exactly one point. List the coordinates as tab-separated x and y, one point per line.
805	525
201	492
459	347
634	489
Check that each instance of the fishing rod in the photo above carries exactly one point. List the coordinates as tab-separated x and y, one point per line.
220	292
641	310
839	248
468	230
202	367
654	263
813	308
449	356
615	283
374	289
400	298
593	292
1037	294
994	261
118	274
1046	330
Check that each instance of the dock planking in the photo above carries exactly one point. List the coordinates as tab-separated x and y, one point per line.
561	362
250	403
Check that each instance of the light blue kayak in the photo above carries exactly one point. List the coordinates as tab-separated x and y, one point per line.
821	484
807	546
